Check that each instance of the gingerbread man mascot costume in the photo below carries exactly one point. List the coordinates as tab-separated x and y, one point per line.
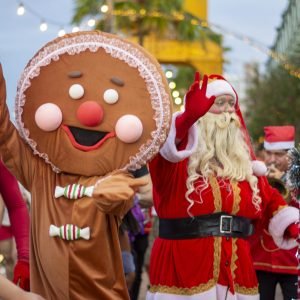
90	107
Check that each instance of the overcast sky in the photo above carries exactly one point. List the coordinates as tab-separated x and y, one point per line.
20	37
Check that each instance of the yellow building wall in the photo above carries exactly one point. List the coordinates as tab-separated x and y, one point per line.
197	8
206	57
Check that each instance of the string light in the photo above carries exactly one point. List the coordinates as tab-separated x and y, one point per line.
169	74
172	85
177	16
91	22
21	10
175	94
75	29
104	8
43	26
178	101
61	32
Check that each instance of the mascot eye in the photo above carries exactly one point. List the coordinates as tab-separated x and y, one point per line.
111	96
76	91
48	117
129	129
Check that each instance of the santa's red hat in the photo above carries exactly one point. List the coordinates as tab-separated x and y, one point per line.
279	137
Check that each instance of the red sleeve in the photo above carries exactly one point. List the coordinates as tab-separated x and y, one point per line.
17	210
272	199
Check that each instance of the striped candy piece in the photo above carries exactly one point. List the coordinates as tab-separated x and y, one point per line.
73	191
70	232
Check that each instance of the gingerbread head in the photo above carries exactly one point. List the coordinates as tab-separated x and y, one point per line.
89	103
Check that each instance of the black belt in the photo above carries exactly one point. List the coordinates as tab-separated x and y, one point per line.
218	224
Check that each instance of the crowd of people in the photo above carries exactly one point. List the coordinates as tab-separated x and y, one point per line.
185	200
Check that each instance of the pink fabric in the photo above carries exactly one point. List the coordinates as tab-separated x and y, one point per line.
17	210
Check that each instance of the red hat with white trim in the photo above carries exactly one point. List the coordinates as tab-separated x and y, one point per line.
279	137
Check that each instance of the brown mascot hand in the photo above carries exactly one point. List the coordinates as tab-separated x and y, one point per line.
114	193
197	104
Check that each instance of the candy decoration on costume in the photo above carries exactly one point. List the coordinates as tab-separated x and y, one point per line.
73	191
70	232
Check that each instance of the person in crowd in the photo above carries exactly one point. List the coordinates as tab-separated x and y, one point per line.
127	256
131	227
18	228
133	234
139	239
208	191
274	265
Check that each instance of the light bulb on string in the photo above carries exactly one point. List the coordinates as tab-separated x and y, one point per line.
175	94
104	8
43	26
91	22
178	101
21	10
169	74
61	32
75	29
172	85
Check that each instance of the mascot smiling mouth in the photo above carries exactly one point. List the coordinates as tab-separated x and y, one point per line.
86	140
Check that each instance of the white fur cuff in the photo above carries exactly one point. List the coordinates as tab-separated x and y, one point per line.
278	225
169	150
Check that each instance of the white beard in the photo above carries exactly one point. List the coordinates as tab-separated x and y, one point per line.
222	149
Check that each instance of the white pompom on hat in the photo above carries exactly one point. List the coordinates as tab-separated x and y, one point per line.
259	168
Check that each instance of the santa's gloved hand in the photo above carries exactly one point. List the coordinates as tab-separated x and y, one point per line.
292	231
21	275
197	104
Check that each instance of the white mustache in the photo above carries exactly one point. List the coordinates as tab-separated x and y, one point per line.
225	119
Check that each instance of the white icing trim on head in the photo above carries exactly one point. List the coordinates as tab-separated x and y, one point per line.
117	48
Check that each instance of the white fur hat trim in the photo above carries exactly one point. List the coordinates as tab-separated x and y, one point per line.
220	87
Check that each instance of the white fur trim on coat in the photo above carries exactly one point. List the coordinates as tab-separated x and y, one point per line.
279	223
169	150
215	293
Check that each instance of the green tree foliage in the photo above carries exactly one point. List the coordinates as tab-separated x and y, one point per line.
272	99
142	17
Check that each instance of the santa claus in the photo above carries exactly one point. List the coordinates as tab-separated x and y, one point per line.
209	192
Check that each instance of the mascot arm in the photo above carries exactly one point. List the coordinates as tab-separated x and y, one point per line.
114	194
16	155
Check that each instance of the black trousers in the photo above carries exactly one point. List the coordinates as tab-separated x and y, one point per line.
267	285
139	247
